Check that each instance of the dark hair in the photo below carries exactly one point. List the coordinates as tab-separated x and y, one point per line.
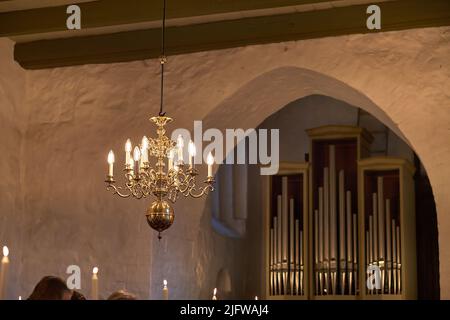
77	296
49	288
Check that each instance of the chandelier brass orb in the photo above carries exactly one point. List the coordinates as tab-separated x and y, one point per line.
160	215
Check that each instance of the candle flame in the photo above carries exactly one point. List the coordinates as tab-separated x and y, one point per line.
210	159
95	270
20	297
180	141
192	149
165	283
136	154
111	157
256	297
5	251
128	146
145	143
215	291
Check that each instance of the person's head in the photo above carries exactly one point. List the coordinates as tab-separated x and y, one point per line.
122	295
77	296
51	288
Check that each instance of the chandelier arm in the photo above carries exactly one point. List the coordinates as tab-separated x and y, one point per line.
137	193
202	191
116	190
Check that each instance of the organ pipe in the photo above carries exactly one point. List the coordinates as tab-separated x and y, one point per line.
385	242
335	234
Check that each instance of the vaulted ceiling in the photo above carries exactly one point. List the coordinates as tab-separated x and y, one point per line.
117	30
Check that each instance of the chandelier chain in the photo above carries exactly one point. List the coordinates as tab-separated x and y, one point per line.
163	58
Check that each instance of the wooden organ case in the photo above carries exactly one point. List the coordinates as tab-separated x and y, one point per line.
340	222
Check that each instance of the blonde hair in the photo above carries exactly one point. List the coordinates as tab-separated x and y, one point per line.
122	295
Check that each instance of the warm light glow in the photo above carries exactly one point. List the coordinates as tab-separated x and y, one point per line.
20	297
95	270
180	141
192	149
215	291
256	297
128	146
136	154
171	154
111	157
165	283
210	159
5	251
145	143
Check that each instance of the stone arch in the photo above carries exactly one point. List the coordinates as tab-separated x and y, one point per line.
268	93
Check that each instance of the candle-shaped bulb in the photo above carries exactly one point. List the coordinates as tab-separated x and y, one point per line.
180	146
128	146
192	149
170	156
256	297
145	143
128	159
136	154
111	163
5	251
20	297
210	159
215	291
180	142
165	283
95	270
111	157
210	162
144	150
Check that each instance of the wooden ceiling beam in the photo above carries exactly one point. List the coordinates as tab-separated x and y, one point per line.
104	13
144	44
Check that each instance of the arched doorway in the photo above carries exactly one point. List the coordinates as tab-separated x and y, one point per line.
270	93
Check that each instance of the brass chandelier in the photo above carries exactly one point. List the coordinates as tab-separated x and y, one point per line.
163	182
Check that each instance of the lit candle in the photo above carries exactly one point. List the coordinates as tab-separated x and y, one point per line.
165	291
136	157
180	145
20	297
4	272
192	153
170	159
94	287
128	148
214	294
210	162
111	163
256	297
144	150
